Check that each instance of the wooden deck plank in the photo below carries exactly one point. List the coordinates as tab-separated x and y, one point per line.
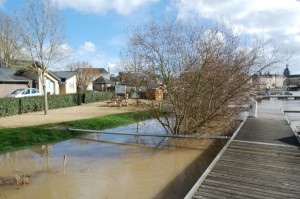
251	191
253	149
232	191
267	187
207	194
259	173
217	194
254	162
276	183
262	161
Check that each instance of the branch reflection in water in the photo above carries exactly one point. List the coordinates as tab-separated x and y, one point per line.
97	169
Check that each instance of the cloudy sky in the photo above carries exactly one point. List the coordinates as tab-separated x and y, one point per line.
96	29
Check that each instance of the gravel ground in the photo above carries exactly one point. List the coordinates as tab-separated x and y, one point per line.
64	114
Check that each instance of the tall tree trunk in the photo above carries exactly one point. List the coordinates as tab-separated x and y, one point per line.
45	93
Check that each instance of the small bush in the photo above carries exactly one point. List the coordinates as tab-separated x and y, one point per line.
9	106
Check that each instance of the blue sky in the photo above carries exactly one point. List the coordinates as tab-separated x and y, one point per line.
96	29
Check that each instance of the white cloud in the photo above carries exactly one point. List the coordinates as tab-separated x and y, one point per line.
112	67
96	59
66	49
102	6
88	47
276	19
255	15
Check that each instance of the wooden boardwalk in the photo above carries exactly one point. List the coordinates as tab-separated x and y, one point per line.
262	161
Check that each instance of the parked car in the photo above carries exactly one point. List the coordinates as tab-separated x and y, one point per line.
25	92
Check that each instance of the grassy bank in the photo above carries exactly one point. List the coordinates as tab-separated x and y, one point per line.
16	138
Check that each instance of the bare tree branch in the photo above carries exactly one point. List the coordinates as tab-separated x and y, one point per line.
205	68
42	32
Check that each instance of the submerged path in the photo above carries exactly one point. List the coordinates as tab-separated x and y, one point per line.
262	161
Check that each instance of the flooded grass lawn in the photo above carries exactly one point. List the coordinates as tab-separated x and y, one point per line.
97	169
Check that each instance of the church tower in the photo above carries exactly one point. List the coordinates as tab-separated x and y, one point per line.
286	71
286	75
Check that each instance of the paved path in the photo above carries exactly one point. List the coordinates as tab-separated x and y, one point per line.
262	161
64	114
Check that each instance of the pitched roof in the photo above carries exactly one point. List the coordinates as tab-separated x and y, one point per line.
102	80
64	75
10	75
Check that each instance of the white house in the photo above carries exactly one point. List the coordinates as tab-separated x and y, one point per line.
60	82
52	86
68	81
263	81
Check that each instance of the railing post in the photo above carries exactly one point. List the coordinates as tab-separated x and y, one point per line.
253	108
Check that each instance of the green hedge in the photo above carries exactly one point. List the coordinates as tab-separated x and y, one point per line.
97	96
67	100
9	106
31	104
14	106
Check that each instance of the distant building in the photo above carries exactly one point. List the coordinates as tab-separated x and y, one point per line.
294	82
68	81
51	83
102	84
291	82
101	72
11	80
286	75
267	81
22	76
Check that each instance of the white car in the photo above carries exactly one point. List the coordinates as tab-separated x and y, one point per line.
25	92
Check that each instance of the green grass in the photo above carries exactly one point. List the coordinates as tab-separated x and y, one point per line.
16	138
109	121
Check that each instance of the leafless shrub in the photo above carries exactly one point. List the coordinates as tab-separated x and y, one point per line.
205	68
85	74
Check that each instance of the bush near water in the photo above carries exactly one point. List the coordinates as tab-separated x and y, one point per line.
14	106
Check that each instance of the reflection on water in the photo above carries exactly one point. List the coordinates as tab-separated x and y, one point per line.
144	127
104	170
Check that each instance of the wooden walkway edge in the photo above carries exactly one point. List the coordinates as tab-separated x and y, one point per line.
261	160
214	162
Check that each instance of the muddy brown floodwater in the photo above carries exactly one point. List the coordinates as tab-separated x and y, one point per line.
96	169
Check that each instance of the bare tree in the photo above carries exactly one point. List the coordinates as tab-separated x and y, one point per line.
10	45
85	74
133	75
205	68
42	33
